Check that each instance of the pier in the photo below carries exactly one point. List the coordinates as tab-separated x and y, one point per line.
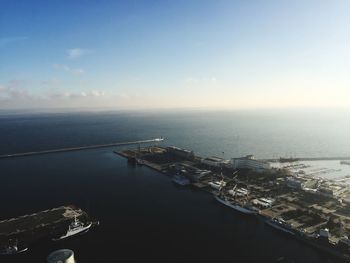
313	210
340	158
80	148
43	224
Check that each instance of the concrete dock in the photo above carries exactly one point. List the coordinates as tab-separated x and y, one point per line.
307	212
43	224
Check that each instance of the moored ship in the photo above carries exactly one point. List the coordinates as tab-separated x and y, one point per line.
280	224
76	227
245	209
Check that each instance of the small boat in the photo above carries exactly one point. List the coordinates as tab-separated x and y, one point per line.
180	180
12	248
76	227
345	162
140	161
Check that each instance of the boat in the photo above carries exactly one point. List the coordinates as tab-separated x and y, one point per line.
12	249
245	209
280	224
180	180
345	162
140	161
76	227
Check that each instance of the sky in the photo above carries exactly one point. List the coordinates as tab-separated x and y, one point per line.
174	54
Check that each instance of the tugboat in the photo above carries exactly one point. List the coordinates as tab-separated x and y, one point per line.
76	227
12	248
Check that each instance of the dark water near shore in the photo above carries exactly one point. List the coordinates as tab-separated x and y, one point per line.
144	217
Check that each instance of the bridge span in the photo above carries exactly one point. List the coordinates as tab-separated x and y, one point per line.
79	148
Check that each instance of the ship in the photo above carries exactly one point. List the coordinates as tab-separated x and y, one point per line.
12	248
280	224
345	162
180	180
139	161
245	209
76	227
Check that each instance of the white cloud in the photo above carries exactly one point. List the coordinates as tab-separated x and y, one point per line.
74	71
76	53
76	95
12	93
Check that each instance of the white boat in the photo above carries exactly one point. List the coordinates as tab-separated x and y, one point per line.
140	161
76	227
237	207
12	249
280	224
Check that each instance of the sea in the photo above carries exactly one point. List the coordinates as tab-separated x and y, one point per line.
143	216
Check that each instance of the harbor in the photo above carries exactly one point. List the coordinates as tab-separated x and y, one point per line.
19	233
303	204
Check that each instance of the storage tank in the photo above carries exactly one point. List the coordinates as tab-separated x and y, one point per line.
61	256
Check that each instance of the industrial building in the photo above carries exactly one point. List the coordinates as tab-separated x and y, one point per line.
249	162
215	162
180	152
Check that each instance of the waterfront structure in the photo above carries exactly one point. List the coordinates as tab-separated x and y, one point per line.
294	212
249	162
61	256
332	190
294	182
215	162
180	152
301	183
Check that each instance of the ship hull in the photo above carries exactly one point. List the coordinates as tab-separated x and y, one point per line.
278	227
13	252
79	232
235	207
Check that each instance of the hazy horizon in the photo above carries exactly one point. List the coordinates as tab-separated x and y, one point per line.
174	54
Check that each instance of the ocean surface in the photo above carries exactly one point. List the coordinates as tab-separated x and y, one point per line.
143	215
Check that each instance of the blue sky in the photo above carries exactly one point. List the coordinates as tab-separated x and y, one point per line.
174	54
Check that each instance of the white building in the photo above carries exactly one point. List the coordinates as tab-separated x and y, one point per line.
215	162
181	152
249	162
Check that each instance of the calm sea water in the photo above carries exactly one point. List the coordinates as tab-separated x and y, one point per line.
143	215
